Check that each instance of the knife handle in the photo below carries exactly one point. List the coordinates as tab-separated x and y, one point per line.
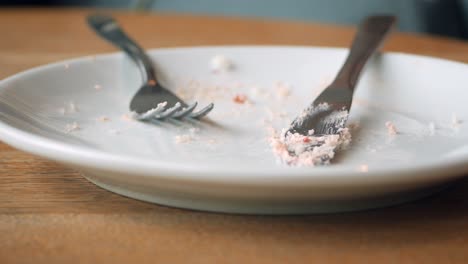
371	34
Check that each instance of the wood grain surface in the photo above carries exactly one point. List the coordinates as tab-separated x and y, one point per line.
50	214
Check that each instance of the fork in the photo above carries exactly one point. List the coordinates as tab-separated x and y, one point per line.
328	113
152	101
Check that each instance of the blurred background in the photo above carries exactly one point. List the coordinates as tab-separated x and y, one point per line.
439	17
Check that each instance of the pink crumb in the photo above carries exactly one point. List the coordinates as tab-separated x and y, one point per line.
183	139
294	149
127	117
353	126
240	99
391	129
282	90
97	87
364	168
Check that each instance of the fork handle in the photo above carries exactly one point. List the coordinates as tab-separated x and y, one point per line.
371	34
109	29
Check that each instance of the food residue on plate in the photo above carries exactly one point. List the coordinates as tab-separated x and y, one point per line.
212	141
298	150
187	138
220	64
71	127
179	139
270	99
364	168
310	150
127	117
283	90
240	99
103	119
391	129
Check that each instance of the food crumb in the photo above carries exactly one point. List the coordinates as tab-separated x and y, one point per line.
103	119
283	90
212	141
72	127
220	63
97	87
298	150
127	117
391	129
66	66
354	125
364	168
183	139
240	99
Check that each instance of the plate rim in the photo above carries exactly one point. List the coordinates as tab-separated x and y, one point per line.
85	157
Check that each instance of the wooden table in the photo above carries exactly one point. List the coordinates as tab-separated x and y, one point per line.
50	214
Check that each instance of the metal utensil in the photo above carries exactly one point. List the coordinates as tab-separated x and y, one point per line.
328	113
152	101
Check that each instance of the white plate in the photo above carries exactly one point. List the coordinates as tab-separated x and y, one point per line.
227	165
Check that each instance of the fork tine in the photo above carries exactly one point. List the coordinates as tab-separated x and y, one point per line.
185	112
169	112
153	112
203	112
